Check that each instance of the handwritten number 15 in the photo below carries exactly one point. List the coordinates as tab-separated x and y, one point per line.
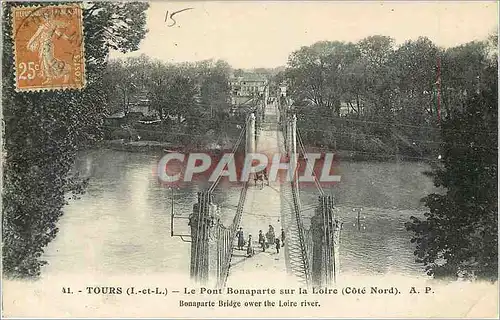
171	16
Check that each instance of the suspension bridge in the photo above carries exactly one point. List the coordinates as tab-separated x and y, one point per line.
309	254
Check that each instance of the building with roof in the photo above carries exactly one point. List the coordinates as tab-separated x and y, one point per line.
247	87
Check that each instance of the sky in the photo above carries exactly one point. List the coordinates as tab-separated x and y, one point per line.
263	33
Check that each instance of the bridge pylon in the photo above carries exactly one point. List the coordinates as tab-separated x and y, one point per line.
211	241
250	135
325	227
201	221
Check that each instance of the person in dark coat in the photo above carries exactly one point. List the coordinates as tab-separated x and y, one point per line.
282	237
265	176
250	250
270	235
262	241
278	245
241	239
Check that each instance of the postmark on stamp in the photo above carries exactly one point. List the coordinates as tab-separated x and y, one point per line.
48	47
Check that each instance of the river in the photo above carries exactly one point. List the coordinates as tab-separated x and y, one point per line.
122	223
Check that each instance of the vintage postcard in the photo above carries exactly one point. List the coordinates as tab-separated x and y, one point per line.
250	159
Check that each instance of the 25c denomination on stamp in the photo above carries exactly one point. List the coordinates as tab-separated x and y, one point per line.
48	47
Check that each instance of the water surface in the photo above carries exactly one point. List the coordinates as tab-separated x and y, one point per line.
122	224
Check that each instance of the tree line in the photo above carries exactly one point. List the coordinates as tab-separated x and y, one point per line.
188	99
375	97
45	130
415	99
458	236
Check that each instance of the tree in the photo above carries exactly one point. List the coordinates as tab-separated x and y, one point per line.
115	98
376	50
214	88
160	79
462	70
44	131
180	95
123	79
316	74
459	235
415	68
238	72
378	76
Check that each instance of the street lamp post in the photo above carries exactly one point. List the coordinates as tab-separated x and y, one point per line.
359	217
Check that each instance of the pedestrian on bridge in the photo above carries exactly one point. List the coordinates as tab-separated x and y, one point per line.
270	235
282	237
241	239
250	250
262	241
278	245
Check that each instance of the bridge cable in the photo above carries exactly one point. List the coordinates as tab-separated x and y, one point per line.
198	231
237	144
316	182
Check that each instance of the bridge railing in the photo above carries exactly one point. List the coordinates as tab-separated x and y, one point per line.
226	238
305	245
318	246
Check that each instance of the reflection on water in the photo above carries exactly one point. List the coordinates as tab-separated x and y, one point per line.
122	224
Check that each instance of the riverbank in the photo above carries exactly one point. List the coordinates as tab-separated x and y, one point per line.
137	146
370	157
145	146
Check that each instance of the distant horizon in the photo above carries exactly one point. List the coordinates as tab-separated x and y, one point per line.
250	35
136	53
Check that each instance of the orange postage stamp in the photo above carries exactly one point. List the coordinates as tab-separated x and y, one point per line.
48	47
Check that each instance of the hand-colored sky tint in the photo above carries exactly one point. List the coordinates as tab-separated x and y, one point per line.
263	34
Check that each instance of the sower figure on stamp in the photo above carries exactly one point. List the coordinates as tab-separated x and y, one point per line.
241	239
42	41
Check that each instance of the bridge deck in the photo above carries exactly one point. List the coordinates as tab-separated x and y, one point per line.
262	208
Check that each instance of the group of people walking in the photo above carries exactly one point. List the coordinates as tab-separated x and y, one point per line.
261	176
265	241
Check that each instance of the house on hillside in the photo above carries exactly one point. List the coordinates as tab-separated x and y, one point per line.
247	87
137	107
140	103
